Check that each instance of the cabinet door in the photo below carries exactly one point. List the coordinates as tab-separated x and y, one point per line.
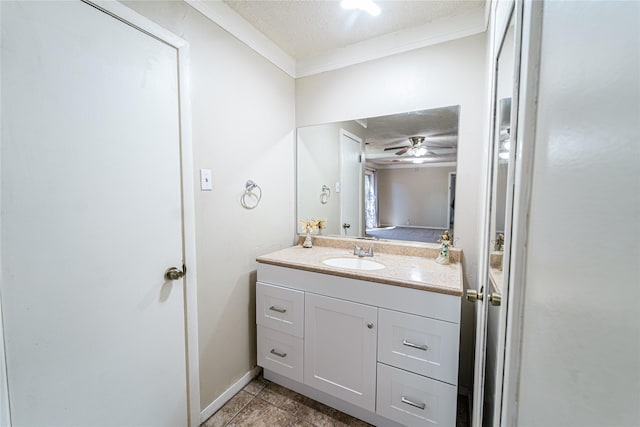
418	344
340	349
280	353
280	308
414	400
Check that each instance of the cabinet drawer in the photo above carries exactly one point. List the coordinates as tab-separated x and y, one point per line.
414	400
280	308
280	353
419	344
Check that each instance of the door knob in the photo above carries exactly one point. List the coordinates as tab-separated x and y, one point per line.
174	273
495	298
473	295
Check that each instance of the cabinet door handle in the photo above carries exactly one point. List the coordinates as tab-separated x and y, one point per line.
422	347
412	403
277	353
278	309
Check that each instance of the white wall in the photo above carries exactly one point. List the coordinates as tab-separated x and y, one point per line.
449	73
580	360
243	128
414	196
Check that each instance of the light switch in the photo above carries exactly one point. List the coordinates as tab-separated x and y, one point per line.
337	187
205	180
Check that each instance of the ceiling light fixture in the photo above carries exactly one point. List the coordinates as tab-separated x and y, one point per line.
366	5
420	152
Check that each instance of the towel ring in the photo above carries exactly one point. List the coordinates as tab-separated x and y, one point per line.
325	194
249	199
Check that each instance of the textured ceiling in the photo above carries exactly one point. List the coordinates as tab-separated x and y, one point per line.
439	126
304	28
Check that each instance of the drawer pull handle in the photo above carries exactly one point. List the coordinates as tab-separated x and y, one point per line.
278	309
422	347
277	353
412	403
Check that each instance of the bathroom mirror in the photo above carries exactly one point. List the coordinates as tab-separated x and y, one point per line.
503	149
388	177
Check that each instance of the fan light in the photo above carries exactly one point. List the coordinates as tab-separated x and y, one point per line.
366	5
420	152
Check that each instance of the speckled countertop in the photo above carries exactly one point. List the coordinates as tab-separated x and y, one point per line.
410	265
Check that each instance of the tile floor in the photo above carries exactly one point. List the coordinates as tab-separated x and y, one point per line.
265	404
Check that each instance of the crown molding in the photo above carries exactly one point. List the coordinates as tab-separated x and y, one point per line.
438	31
229	20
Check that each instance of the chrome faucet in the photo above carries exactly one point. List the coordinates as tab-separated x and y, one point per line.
361	252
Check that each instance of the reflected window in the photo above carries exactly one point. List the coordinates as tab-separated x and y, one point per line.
370	199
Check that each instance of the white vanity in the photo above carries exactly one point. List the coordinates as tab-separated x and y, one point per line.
381	345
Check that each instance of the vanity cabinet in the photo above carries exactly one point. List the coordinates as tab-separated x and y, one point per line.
280	321
340	349
385	354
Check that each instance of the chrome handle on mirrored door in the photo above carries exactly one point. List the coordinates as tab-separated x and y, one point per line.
495	299
473	295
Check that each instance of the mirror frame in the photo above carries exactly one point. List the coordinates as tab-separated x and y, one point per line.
503	15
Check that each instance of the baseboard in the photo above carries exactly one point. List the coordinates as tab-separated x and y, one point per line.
213	407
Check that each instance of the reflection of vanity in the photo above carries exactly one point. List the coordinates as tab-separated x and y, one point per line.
380	345
495	271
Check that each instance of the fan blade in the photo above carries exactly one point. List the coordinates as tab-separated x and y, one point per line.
395	148
442	151
401	152
437	146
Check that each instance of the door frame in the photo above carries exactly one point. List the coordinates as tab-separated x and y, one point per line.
360	186
498	25
531	39
192	386
449	226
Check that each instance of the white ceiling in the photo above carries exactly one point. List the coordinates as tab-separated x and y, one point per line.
305	37
308	28
439	126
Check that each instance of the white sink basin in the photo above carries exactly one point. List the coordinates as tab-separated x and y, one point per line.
353	263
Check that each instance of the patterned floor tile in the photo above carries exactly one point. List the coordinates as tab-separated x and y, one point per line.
256	386
229	410
259	413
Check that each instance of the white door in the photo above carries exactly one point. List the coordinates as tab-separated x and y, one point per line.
91	219
340	344
351	183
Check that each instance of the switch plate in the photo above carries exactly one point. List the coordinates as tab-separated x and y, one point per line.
205	180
